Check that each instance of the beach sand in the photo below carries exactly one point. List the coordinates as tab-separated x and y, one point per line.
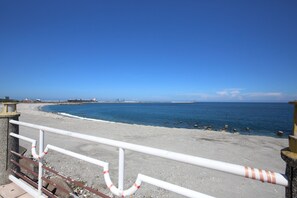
254	151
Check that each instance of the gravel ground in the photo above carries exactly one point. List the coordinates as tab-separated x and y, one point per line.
254	151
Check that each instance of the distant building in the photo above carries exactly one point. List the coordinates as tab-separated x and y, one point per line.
82	101
26	100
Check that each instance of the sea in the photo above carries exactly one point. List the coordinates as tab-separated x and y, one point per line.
244	118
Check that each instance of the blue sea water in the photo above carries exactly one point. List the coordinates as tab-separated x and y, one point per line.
246	118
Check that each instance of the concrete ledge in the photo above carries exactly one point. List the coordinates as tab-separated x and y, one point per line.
289	157
9	115
13	191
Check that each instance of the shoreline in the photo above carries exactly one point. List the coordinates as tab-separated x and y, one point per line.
198	128
254	151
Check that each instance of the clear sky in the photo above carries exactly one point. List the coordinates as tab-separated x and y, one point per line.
210	50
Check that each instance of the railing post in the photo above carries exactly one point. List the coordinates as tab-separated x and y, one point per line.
289	155
7	143
40	162
121	168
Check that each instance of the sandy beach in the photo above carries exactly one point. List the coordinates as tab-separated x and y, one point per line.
254	151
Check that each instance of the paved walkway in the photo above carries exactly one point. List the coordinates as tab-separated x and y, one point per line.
13	191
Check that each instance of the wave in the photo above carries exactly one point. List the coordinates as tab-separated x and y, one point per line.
83	118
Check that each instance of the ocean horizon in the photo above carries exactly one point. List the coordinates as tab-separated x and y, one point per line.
247	118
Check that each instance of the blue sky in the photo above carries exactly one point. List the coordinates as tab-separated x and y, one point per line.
149	50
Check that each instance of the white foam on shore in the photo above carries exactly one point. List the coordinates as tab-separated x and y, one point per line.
83	118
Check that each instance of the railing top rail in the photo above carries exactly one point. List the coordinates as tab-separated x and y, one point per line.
133	147
279	179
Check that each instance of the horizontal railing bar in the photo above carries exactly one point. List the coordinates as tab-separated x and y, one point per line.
76	155
172	187
23	167
235	169
22	137
17	154
24	157
23	177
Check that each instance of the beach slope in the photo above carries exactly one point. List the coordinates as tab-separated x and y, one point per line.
254	151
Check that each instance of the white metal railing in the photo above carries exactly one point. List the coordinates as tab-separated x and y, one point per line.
244	171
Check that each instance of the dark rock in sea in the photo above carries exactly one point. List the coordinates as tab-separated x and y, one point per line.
208	127
180	121
225	128
234	130
247	129
196	125
280	133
